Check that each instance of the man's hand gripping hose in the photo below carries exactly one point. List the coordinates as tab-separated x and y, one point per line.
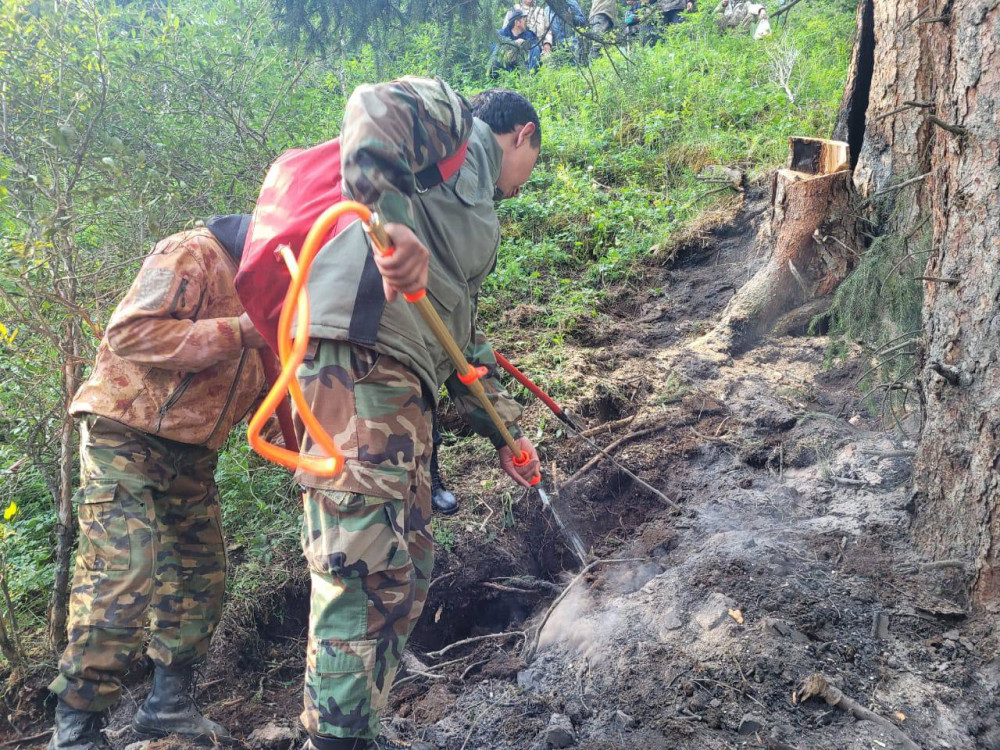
291	353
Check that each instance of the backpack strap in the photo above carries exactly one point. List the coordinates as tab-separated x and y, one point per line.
369	303
435	174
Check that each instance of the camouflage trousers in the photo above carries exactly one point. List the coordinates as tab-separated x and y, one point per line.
151	552
366	533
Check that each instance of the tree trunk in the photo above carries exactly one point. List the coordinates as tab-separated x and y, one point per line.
959	461
65	528
814	245
933	109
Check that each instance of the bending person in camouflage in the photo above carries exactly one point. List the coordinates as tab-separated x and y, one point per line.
176	369
373	372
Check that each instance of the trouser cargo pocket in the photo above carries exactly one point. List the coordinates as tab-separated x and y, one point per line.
104	537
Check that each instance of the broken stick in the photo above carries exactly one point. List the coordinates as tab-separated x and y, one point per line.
816	686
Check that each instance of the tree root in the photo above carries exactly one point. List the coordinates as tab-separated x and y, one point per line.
816	686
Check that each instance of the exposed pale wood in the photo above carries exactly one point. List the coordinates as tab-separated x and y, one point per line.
816	156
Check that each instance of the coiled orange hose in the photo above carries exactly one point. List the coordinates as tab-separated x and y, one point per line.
291	354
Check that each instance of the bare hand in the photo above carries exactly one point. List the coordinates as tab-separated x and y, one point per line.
526	472
405	268
249	334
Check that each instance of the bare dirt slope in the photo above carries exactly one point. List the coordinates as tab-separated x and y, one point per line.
786	556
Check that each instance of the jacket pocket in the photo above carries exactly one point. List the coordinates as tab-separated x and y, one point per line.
104	538
445	296
173	398
467	186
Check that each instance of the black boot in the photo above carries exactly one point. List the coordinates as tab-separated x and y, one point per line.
170	709
441	499
77	730
382	743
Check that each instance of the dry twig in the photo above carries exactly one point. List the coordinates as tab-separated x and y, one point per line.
22	740
605	451
476	639
816	686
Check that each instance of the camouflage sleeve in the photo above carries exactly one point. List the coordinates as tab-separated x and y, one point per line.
391	132
480	353
155	324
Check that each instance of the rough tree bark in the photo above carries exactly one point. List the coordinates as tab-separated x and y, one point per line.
934	109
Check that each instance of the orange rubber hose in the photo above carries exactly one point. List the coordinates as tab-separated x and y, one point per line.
291	352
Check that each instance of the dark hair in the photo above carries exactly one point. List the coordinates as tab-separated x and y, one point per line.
504	111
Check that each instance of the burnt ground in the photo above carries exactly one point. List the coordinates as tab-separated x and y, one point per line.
786	555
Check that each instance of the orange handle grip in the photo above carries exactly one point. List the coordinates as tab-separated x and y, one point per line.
291	353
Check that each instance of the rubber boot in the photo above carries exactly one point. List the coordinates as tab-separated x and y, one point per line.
345	743
170	709
77	730
441	499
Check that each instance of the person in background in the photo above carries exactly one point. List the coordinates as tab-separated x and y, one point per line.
731	14
763	25
517	47
563	27
539	22
602	19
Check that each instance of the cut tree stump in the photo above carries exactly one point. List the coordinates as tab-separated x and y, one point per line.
814	241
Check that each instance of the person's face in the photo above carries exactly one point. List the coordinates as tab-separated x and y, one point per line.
527	3
517	162
518	27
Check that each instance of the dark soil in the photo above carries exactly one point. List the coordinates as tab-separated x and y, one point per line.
788	556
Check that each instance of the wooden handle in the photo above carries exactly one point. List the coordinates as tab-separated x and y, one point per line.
382	245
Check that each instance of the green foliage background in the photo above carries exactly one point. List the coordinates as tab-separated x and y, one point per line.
199	97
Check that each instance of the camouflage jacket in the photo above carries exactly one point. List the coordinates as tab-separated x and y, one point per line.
172	362
391	132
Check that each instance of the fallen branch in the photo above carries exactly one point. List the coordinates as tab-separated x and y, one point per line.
604	452
890	454
816	686
607	426
531	644
32	738
534	583
476	639
942	279
508	589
